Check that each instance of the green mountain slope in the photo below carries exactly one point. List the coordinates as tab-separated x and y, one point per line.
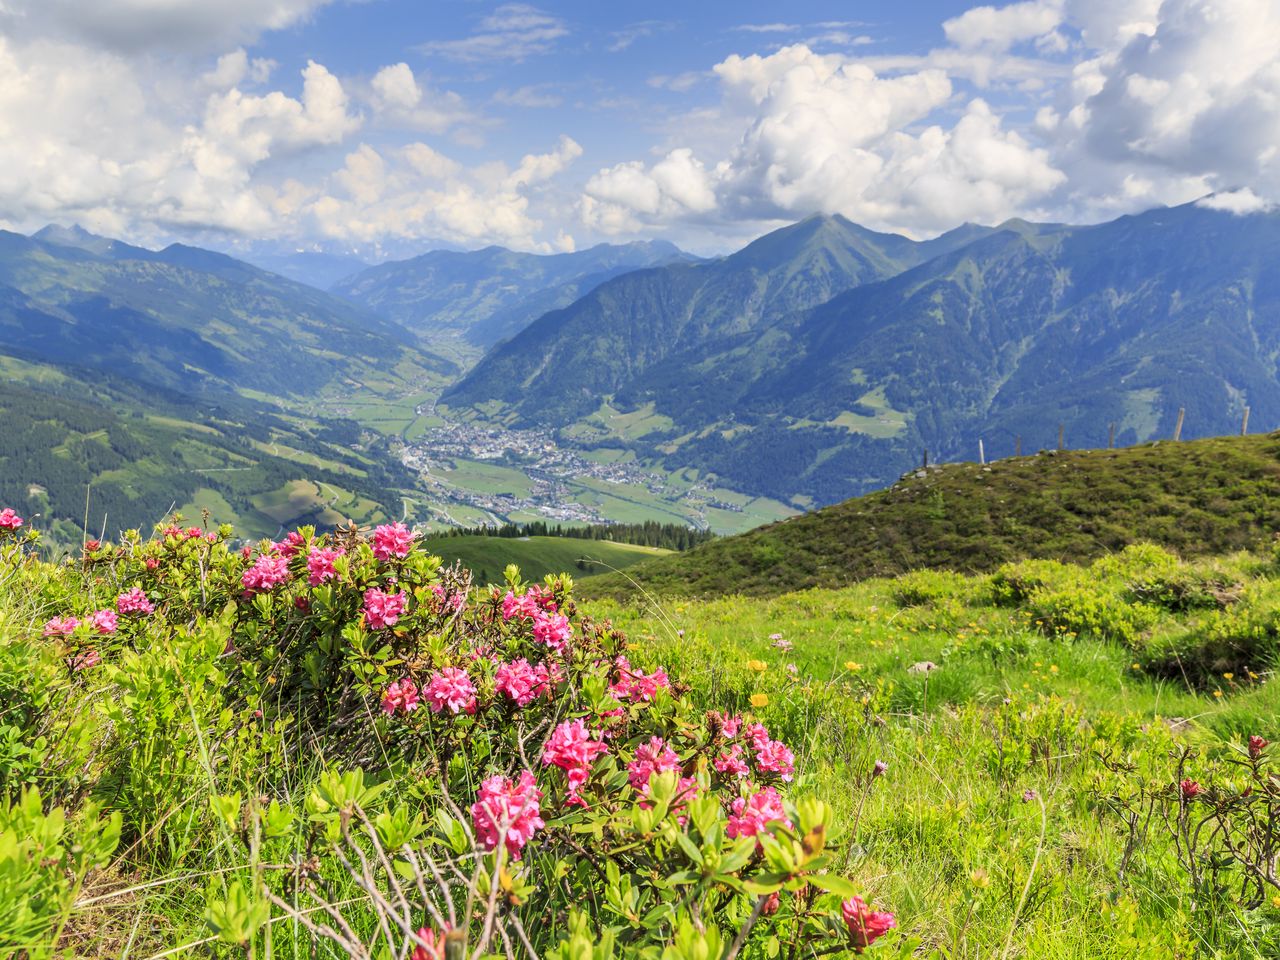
1197	497
479	297
689	337
189	319
487	557
996	335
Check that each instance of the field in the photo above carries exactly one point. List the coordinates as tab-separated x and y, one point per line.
487	557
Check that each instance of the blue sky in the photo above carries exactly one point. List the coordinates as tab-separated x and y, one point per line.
389	126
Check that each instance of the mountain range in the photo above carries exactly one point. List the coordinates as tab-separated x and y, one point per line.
477	298
820	361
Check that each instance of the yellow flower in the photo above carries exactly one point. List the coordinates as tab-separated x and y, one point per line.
1136	666
1217	693
852	665
980	879
757	665
1053	668
1228	676
759	699
1275	902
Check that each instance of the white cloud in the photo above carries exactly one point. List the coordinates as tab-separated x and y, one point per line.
999	28
537	97
396	88
540	167
135	25
624	38
1240	202
513	32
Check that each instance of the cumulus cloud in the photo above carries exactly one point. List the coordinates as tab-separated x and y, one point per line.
999	28
826	133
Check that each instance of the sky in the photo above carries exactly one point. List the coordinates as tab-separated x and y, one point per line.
385	126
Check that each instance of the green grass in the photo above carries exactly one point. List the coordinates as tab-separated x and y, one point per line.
487	557
1016	703
1198	497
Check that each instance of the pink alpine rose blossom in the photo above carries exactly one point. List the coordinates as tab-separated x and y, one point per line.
774	756
866	926
392	540
320	564
434	945
1189	789
86	660
1256	746
104	621
134	601
60	626
652	757
552	630
732	764
519	681
523	607
266	574
507	813
9	520
752	814
400	697
450	689
381	609
291	545
572	749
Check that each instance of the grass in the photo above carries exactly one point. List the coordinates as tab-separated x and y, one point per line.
487	557
1198	497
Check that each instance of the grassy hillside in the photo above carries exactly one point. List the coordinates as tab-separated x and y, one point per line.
487	557
1198	497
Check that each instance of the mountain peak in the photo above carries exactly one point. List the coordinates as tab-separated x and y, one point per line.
74	236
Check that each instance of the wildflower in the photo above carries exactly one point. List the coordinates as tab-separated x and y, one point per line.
1228	677
1029	796
290	546
552	629
573	750
774	756
134	601
866	926
401	696
60	626
1256	746
729	725
879	769
775	637
9	520
103	621
451	689
1189	789
265	574
771	905
652	757
84	661
759	699
752	814
320	564
759	666
732	763
91	545
523	607
302	603
392	540
925	666
151	563
980	878
507	813
519	681
432	946
455	601
852	666
636	685
382	609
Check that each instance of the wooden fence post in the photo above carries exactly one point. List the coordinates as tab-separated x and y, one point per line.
1017	445
1111	436
1177	430
982	456
1061	428
1244	422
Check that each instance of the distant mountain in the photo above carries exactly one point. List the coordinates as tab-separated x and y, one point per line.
822	359
314	268
187	319
483	296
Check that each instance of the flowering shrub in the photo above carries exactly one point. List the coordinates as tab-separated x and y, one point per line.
549	787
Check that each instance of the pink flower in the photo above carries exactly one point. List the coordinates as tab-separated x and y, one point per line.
1189	788
86	660
265	574
320	564
291	545
434	949
9	520
103	621
524	607
729	725
1256	746
401	696
652	757
519	681
151	562
381	609
507	813
751	815
732	763
774	756
455	601
572	749
866	926
60	626
194	532
134	601
758	734
392	540
552	629
635	685
451	689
